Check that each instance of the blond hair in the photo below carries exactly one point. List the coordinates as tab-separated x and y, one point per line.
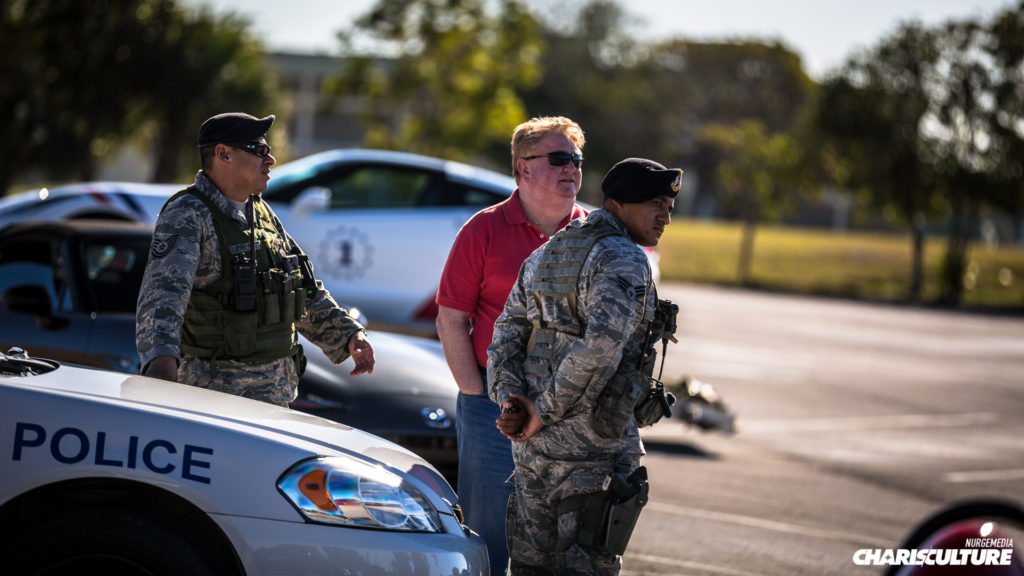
526	136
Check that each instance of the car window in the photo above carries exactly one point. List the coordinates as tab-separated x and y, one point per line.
29	262
382	187
19	273
462	195
114	270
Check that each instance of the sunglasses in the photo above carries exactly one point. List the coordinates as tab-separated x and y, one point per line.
258	149
560	158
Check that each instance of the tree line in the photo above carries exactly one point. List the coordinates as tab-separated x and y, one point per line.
923	130
80	79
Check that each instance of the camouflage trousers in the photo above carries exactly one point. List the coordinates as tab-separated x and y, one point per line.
534	527
275	382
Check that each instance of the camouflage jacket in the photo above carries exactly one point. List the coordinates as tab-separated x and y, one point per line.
185	254
614	302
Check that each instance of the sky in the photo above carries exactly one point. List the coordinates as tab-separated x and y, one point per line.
823	32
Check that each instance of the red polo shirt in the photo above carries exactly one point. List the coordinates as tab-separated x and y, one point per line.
484	263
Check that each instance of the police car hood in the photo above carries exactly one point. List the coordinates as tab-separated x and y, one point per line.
318	436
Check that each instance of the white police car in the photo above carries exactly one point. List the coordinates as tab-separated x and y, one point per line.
109	473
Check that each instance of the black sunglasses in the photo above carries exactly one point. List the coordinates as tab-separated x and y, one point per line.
560	158
258	149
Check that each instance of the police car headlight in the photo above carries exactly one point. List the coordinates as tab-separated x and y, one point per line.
352	493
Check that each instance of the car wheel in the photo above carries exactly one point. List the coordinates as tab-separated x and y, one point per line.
108	541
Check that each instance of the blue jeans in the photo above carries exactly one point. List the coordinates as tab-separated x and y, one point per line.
485	465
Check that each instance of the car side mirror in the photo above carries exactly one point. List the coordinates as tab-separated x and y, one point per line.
35	300
312	199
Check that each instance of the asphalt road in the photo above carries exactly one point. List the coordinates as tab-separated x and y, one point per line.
857	421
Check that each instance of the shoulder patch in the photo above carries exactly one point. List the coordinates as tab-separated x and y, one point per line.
632	291
163	247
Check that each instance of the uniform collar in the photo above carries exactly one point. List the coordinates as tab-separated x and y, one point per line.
207	188
602	216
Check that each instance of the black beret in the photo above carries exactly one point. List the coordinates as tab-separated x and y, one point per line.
638	180
233	127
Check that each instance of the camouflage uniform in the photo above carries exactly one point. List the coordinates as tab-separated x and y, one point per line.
564	375
185	254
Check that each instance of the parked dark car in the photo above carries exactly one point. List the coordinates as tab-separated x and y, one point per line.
69	290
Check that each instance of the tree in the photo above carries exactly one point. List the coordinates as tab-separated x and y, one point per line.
870	113
451	89
641	99
760	174
90	75
957	141
63	98
701	84
1005	46
974	137
593	73
930	123
199	65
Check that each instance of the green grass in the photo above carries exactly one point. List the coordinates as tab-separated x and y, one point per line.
868	266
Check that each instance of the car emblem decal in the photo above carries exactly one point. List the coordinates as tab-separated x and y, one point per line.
345	253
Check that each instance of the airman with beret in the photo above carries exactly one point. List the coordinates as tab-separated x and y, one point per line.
565	365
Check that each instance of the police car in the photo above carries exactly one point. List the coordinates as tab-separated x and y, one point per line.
377	224
108	473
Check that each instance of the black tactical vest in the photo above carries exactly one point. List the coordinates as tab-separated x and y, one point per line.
249	313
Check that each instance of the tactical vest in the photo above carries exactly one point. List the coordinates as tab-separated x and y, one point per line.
249	313
555	292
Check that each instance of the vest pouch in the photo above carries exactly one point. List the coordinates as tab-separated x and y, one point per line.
288	307
557	311
240	333
300	304
655	404
538	358
272	309
613	410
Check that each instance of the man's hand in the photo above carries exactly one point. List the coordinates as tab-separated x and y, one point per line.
512	418
362	354
521	425
163	367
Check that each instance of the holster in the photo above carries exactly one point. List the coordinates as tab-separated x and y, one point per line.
607	519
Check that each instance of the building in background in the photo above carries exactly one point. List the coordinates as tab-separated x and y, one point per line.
310	125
